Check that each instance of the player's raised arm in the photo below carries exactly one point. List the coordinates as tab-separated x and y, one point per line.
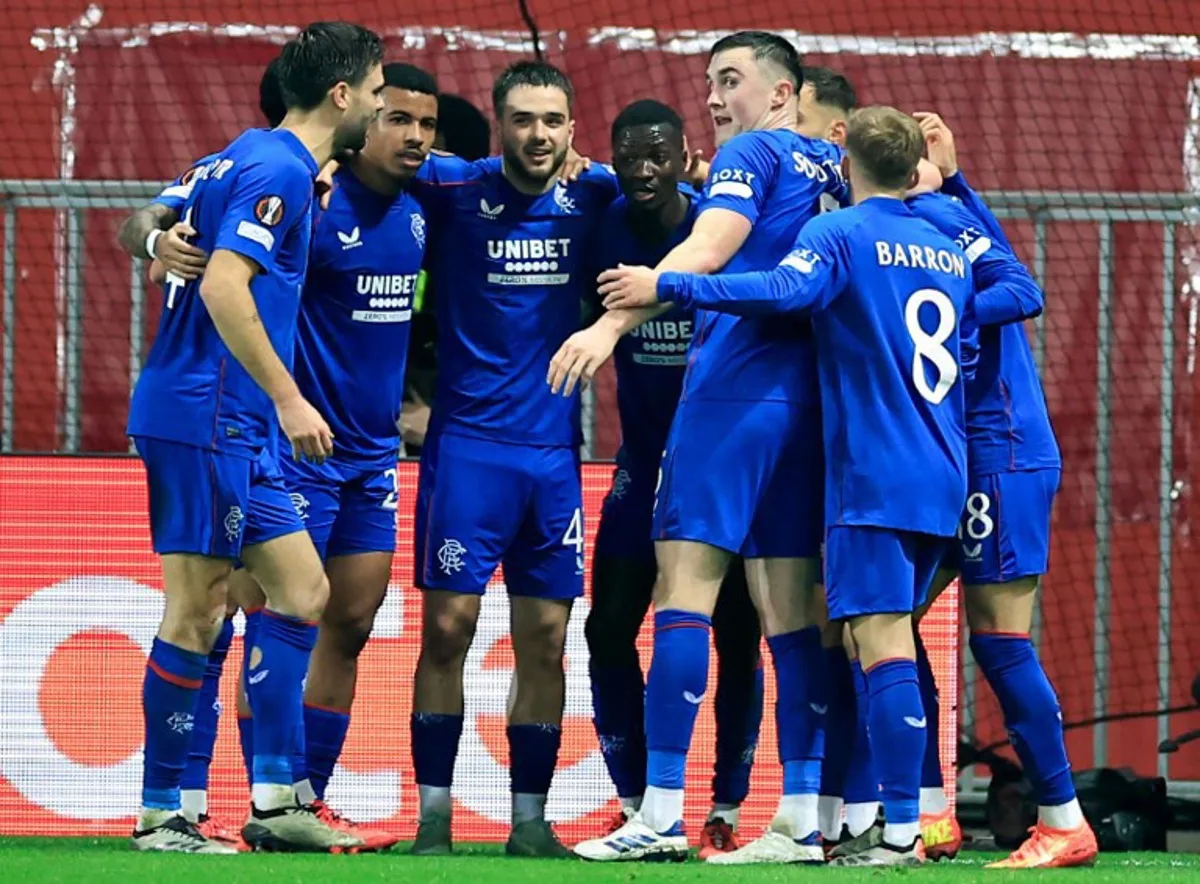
1005	290
939	141
738	183
956	186
808	278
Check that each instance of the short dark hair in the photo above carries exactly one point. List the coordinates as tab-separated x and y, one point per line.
887	143
530	73
464	129
647	112
323	55
410	78
270	95
831	88
765	46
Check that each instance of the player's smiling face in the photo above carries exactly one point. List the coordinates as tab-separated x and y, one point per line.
360	104
648	161
740	93
535	131
402	136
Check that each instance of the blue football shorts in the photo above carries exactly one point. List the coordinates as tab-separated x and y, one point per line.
211	503
482	504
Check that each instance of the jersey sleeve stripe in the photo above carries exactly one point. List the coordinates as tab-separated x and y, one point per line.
731	188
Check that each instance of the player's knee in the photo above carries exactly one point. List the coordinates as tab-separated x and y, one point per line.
307	599
1003	607
195	607
446	637
538	642
244	591
880	637
350	629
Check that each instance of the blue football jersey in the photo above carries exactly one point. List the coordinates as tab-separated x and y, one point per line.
356	314
1008	425
651	359
254	199
512	275
888	295
776	179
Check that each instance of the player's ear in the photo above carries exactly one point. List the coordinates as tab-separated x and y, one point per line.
571	133
783	94
914	179
340	94
837	132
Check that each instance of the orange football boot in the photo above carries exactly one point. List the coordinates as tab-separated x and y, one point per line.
942	835
372	839
214	831
1048	848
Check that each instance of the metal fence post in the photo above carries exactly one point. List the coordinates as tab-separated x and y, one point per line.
9	350
1103	519
73	332
1166	487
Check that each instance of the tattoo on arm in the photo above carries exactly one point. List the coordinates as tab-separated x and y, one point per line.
137	227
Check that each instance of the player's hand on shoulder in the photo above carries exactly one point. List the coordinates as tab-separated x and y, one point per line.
626	288
580	356
574	165
179	256
308	432
939	142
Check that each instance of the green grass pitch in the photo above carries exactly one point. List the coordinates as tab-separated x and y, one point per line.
28	860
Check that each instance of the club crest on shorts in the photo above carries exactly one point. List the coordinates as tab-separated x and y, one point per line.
450	556
301	504
269	211
235	520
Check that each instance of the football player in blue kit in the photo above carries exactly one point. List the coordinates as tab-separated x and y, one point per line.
202	418
849	795
890	300
655	214
351	342
499	481
1004	539
742	472
170	252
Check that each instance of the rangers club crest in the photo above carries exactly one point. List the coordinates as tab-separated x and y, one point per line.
417	226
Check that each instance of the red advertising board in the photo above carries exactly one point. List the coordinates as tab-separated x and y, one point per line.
79	604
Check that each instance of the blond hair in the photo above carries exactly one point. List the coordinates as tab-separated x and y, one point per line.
885	144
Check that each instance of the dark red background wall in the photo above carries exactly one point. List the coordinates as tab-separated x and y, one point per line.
147	104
